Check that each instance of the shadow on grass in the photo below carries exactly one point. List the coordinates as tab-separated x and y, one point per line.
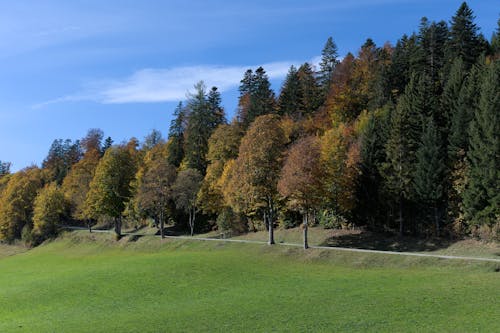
384	242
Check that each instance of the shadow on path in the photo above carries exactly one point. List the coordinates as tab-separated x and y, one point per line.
384	242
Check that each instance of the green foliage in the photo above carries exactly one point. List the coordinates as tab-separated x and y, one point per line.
230	221
62	155
464	41
204	114
331	220
4	168
329	60
256	96
481	196
429	169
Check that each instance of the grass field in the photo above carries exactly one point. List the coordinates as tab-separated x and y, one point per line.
90	283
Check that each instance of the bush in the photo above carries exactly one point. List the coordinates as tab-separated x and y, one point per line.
228	220
330	220
487	233
26	234
289	219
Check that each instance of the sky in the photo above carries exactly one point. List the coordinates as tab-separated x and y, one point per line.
123	66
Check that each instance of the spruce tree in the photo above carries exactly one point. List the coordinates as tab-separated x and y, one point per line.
429	171
464	40
204	114
290	99
432	39
403	142
311	91
495	42
329	60
466	101
176	136
216	111
481	196
256	96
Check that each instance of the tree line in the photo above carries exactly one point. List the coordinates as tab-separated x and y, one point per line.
396	138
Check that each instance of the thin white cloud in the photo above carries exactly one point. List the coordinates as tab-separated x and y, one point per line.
166	85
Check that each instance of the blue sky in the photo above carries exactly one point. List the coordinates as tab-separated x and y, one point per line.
122	66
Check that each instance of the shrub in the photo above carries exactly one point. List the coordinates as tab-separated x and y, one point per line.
330	220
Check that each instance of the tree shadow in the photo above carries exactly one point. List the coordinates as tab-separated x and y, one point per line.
362	239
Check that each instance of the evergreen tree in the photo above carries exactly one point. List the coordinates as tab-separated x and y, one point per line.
371	203
176	136
432	39
329	60
399	70
290	98
466	101
403	142
108	143
204	115
481	196
300	95
450	104
4	168
429	171
464	41
62	155
495	42
256	96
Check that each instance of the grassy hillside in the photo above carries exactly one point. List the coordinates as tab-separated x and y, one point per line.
89	283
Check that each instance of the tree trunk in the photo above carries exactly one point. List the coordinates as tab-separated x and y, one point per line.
118	226
192	216
306	245
162	225
89	225
436	219
400	215
270	221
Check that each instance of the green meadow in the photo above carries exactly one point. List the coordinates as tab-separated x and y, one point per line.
91	283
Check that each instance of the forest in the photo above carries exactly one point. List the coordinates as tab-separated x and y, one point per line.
400	139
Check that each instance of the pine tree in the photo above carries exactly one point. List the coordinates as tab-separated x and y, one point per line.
176	136
256	97
432	39
329	60
204	114
429	171
371	203
466	101
464	41
108	143
495	42
481	196
215	109
62	155
450	103
4	168
290	98
403	142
